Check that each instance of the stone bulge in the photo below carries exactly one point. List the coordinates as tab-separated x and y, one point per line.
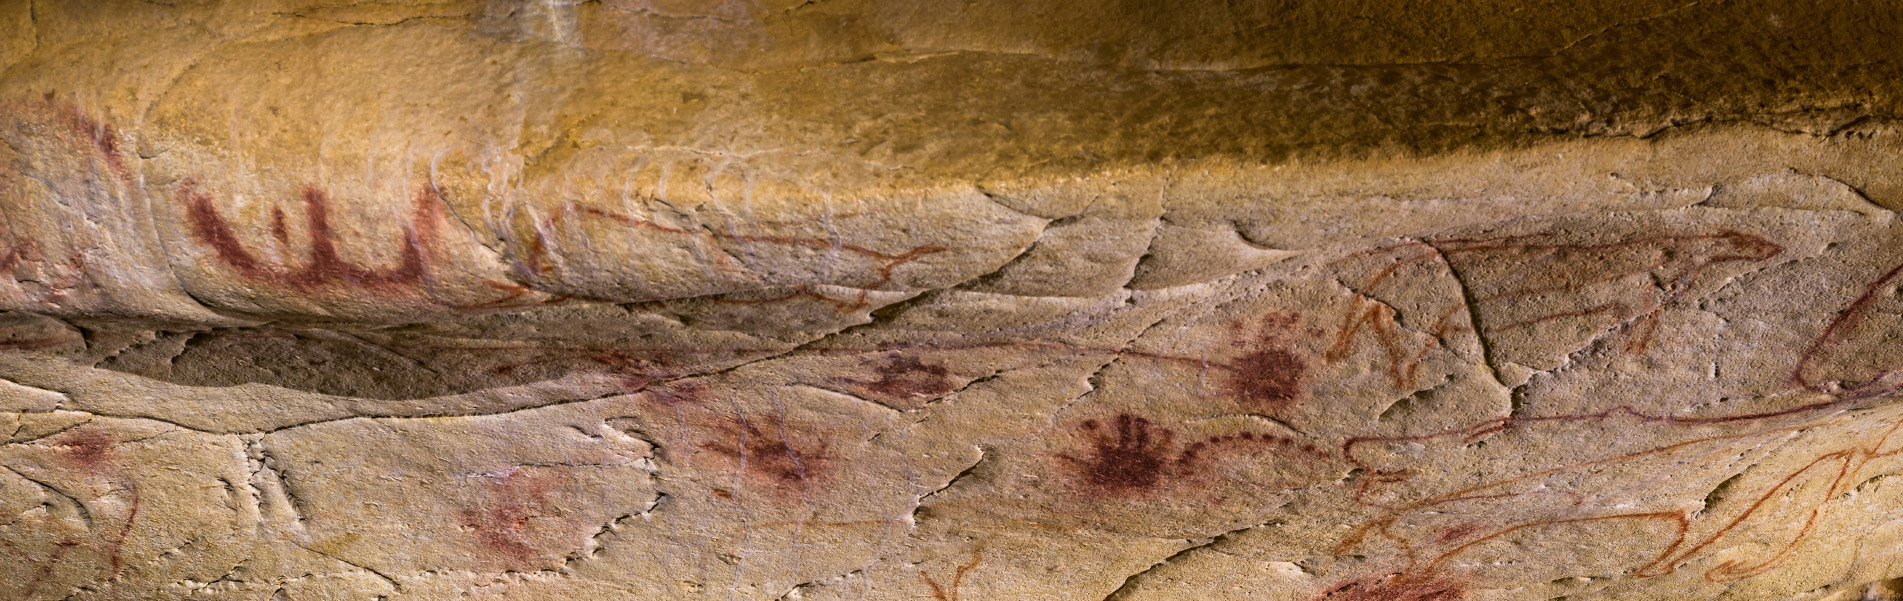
847	300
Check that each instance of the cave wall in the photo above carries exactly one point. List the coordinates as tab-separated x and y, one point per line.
834	299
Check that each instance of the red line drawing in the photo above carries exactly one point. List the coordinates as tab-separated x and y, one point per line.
939	592
538	249
323	266
1543	269
804	291
1546	268
1833	335
1797	500
1848	462
90	452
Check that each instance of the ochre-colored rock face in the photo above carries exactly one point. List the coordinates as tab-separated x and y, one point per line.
1304	301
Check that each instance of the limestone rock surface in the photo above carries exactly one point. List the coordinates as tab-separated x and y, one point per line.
839	299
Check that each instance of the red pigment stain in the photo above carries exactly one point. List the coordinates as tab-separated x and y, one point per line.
505	523
1269	376
1399	587
1456	533
1197	451
103	137
770	455
905	378
28	251
323	266
278	229
681	393
89	448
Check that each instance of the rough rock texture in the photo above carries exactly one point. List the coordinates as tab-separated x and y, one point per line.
1041	299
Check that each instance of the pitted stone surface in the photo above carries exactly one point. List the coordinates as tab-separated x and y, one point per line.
833	300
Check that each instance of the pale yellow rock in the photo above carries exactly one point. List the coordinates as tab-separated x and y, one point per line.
1307	301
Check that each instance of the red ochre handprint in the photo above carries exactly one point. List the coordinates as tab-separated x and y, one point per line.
1129	455
1132	455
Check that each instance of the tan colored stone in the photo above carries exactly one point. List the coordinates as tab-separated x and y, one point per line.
1315	301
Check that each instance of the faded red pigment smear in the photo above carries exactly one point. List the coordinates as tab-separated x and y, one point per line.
1270	376
88	448
515	296
631	370
904	377
1399	587
323	266
770	455
505	524
20	251
680	394
279	229
104	139
1458	533
92	451
538	249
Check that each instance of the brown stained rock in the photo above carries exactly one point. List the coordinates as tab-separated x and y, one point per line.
781	299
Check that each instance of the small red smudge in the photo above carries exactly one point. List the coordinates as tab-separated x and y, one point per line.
103	137
680	394
1456	533
278	229
88	448
771	455
506	522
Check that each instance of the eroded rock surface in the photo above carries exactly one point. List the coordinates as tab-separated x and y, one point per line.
828	300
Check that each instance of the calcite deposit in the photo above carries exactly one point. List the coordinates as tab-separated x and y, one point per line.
1043	299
